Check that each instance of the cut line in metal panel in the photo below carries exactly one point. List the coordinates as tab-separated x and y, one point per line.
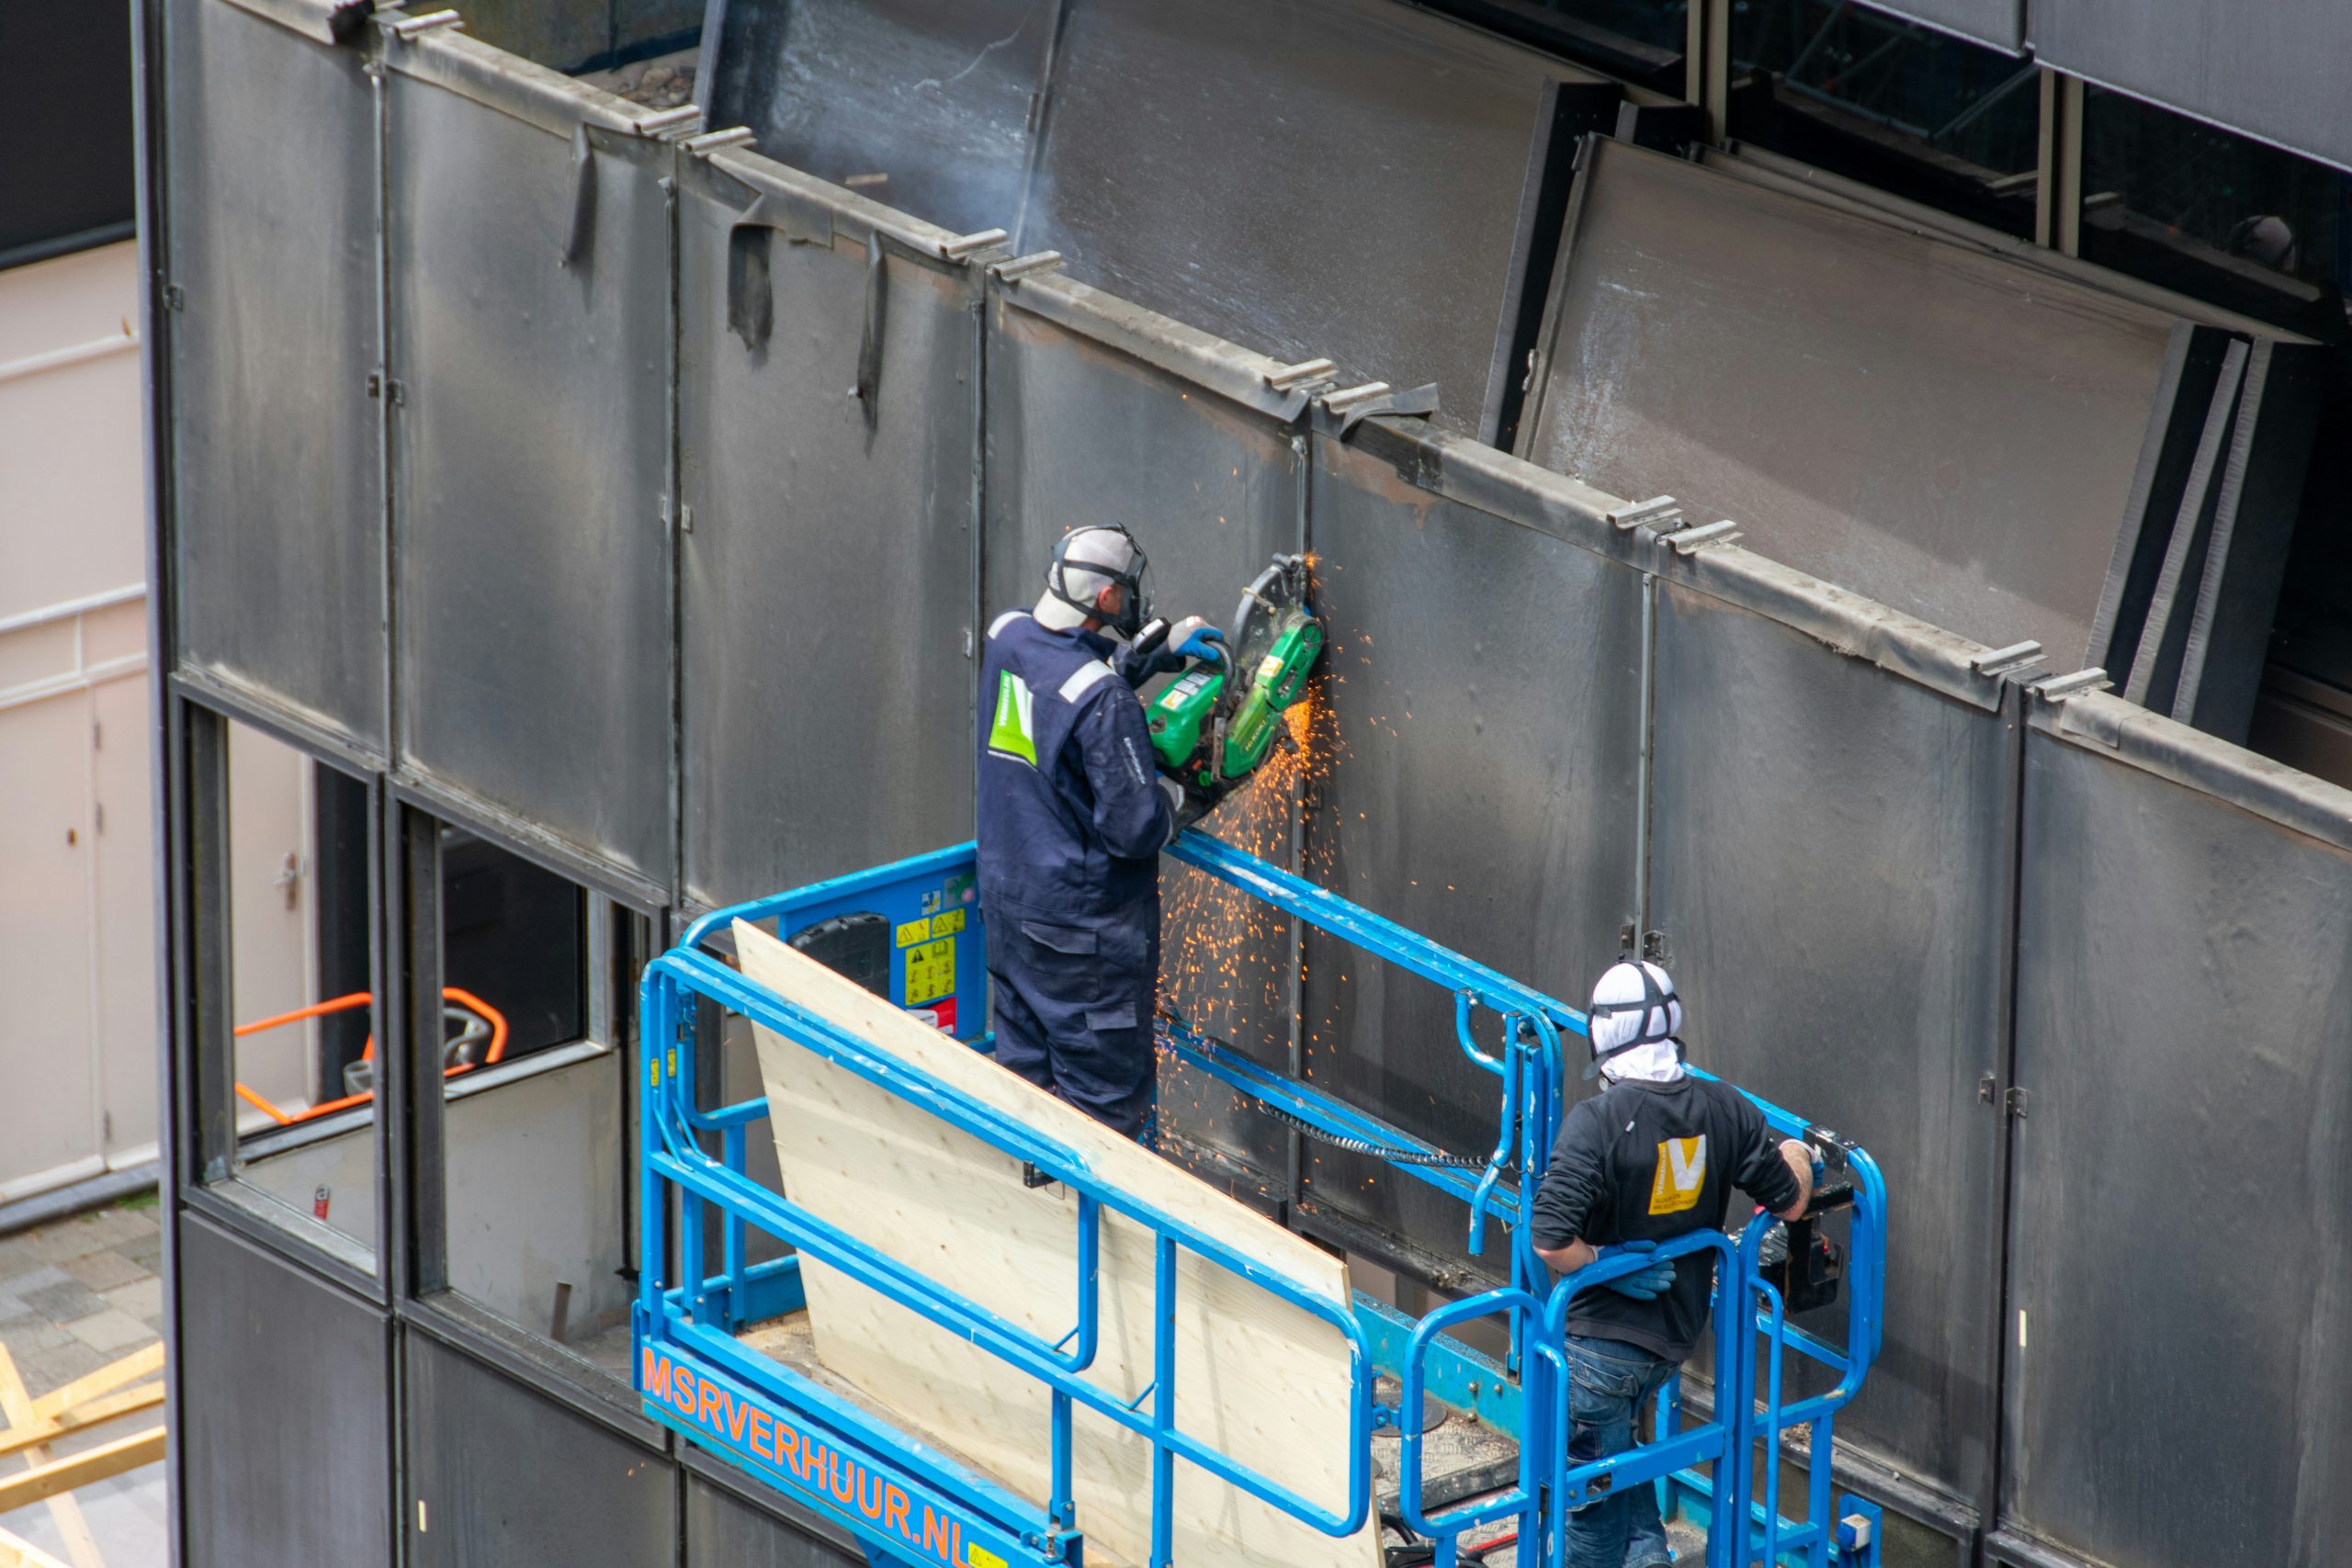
1950	436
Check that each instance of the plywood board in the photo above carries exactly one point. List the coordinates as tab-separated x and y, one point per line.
1264	1382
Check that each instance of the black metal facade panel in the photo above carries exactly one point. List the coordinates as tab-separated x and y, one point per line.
1829	858
286	1418
531	448
277	523
2178	1253
2267	67
723	1532
828	579
1484	688
1305	177
499	1475
1930	426
1079	433
935	96
2000	23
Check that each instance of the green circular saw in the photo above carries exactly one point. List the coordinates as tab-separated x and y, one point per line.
1211	728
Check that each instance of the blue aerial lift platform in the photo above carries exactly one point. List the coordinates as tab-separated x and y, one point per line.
917	926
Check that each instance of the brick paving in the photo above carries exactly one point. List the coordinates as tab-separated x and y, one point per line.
76	1295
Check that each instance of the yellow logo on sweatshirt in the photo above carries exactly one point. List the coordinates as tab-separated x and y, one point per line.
1681	1174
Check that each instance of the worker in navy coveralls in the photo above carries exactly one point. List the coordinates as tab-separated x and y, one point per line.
1652	1156
1072	817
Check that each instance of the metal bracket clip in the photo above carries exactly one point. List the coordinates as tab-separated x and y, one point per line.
966	246
1660	511
1690	541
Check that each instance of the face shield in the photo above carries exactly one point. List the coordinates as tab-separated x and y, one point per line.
1089	560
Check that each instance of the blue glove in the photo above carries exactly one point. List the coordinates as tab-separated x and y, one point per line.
1195	638
1643	1284
1160	648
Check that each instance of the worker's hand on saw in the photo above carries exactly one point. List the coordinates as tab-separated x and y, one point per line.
1644	1284
1195	638
1161	646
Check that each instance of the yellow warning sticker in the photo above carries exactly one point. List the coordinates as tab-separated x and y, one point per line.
979	1556
930	970
914	931
947	922
1681	1174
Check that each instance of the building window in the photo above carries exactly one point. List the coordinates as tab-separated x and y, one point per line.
289	946
1913	111
531	1133
2216	216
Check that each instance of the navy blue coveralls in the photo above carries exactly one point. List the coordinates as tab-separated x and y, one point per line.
1072	817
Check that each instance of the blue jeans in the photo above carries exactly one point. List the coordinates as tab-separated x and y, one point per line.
1609	1382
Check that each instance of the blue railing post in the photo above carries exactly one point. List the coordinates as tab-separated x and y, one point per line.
1163	1403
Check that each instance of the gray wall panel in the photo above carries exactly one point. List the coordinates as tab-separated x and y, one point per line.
278	563
723	1532
829	591
934	95
2271	67
1916	421
534	587
2179	1267
301	1477
1191	160
1079	432
499	1475
1484	681
2000	23
1830	855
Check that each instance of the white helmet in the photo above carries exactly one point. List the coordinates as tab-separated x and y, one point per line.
1632	1004
1086	561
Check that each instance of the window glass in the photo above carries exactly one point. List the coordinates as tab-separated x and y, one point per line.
536	979
2214	215
1919	113
300	982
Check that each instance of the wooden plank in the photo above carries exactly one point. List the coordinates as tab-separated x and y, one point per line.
105	1408
15	1551
80	1470
1266	1383
16	1403
113	1375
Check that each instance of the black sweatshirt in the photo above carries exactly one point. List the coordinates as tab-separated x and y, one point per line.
1649	1162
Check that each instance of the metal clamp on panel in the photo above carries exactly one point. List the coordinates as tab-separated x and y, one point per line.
1660	511
407	28
2058	688
1306	373
668	121
966	246
1019	267
1690	541
711	141
2007	660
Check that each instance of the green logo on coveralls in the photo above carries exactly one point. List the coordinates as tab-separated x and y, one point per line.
1010	734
